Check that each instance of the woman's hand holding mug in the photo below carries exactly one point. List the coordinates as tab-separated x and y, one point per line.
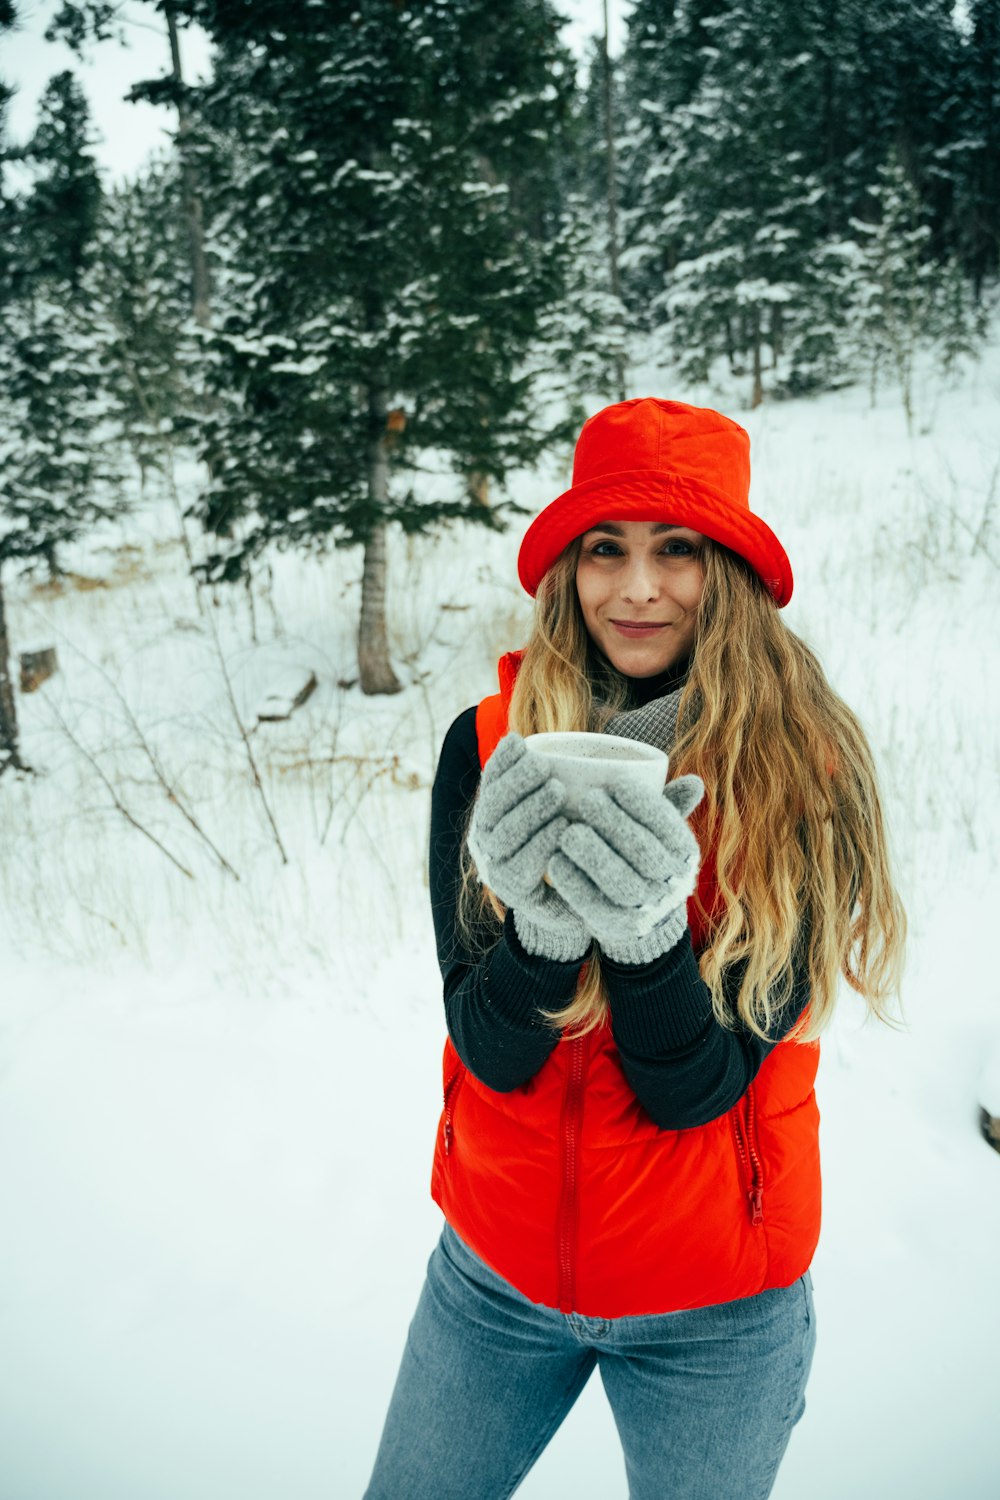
627	864
517	823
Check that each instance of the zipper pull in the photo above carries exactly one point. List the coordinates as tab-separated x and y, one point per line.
448	1133
756	1196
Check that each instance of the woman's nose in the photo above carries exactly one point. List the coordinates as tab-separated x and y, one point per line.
639	581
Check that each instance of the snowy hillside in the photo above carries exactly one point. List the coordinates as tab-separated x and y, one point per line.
219	1087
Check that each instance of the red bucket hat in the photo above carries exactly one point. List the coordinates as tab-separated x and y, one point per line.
652	460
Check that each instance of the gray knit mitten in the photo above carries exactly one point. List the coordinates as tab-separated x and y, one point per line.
627	865
515	827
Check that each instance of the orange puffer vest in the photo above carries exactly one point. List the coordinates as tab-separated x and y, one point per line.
569	1190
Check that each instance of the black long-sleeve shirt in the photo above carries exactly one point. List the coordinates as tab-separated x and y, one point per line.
684	1067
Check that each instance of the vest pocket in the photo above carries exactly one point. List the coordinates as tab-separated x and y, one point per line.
743	1117
451	1090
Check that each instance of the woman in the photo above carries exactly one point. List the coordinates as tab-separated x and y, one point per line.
627	1158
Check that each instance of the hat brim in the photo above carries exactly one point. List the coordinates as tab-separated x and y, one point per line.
652	495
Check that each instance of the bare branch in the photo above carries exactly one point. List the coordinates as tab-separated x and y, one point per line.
112	791
209	618
174	797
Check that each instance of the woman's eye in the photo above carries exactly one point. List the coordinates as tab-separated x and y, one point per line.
676	547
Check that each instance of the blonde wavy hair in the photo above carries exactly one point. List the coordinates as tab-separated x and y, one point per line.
791	809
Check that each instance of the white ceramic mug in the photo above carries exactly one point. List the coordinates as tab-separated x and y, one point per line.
582	761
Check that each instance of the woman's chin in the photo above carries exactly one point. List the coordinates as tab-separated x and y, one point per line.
639	660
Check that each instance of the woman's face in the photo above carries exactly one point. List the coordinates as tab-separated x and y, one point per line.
639	584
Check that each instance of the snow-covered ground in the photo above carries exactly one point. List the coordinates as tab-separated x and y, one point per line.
218	1095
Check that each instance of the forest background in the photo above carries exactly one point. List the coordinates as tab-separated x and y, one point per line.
274	409
384	230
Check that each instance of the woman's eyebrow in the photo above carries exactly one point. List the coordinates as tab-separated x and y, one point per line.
613	530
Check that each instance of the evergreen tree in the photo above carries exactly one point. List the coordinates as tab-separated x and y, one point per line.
57	468
958	322
973	156
728	214
597	172
57	456
903	98
393	234
662	68
579	349
141	287
60	215
893	281
10	752
80	23
902	300
874	79
591	127
756	133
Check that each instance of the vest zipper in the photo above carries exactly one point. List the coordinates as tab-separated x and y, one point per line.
450	1094
746	1147
572	1118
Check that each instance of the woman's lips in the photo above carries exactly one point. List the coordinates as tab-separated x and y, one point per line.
636	631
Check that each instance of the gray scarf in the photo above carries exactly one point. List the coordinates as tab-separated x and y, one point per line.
655	722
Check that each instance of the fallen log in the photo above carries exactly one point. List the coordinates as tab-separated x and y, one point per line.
286	696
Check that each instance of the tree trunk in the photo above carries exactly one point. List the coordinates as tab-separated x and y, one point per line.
612	180
479	488
56	571
758	383
200	295
374	667
10	753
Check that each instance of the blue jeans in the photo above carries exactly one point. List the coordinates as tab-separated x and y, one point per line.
704	1401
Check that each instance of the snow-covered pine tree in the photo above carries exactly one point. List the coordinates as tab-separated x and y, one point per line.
900	297
957	325
596	176
60	213
141	285
391	238
892	291
755	132
83	23
579	351
897	77
662	66
728	212
10	752
57	445
973	154
899	63
590	174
